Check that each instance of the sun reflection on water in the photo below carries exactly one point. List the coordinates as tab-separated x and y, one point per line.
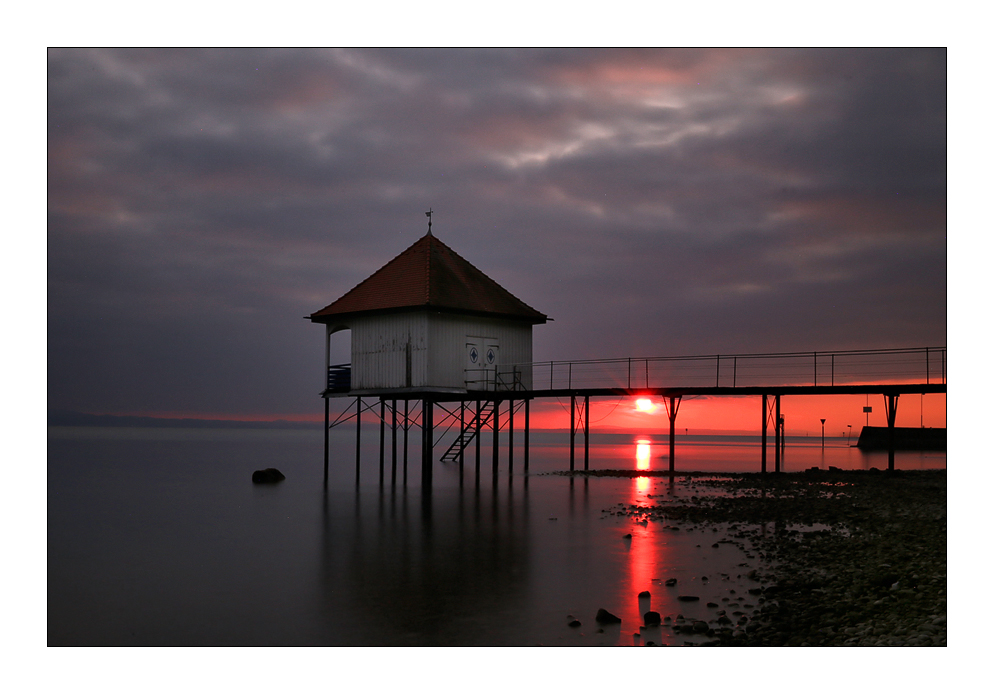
643	454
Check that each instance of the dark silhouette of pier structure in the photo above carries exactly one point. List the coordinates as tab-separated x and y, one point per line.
474	415
429	331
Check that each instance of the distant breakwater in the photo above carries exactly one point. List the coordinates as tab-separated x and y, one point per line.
905	439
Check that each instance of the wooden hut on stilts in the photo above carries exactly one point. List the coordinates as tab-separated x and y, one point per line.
429	327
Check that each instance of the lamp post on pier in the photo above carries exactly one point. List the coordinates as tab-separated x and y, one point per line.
823	433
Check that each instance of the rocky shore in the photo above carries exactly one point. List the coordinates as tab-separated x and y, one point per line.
845	558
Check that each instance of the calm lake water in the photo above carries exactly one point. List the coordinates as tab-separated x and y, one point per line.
158	537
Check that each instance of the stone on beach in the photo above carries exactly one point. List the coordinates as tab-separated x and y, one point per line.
652	618
268	476
605	617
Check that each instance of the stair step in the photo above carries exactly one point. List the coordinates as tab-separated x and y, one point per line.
468	434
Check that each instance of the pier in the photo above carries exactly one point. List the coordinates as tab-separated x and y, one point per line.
429	331
475	414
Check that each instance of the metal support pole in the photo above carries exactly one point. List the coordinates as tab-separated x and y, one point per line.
496	446
572	431
717	369
779	433
766	417
783	439
926	365
671	413
407	425
393	433
383	423
527	430
427	441
586	433
326	427
479	424
833	369
462	431
891	404
510	437
358	435
816	368
735	371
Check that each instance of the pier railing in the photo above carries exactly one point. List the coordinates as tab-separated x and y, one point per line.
847	367
340	378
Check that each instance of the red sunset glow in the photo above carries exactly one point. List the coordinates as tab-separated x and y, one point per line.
802	414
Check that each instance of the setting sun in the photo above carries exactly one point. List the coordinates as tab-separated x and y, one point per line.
645	405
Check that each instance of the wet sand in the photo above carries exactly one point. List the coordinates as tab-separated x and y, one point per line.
852	558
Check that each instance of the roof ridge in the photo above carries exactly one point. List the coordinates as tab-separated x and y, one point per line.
428	267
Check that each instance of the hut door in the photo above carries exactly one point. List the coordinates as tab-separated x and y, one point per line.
475	375
491	358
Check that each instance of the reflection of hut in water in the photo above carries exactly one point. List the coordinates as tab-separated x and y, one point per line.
417	574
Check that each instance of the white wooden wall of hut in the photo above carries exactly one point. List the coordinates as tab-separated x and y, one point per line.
389	351
447	338
428	350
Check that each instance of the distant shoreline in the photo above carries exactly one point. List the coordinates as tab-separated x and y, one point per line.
67	418
82	419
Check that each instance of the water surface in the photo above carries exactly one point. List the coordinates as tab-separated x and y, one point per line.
158	537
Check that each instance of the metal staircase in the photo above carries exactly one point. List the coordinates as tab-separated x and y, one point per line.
468	432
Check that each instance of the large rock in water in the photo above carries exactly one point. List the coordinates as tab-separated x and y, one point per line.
268	476
605	617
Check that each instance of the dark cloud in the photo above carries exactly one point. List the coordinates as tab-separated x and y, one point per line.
653	202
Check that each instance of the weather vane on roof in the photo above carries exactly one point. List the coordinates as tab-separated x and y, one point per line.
428	215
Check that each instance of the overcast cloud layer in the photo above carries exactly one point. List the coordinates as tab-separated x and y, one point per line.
201	202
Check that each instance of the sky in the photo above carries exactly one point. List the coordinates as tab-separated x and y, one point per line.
652	202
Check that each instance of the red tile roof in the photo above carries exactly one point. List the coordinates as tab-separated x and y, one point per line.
429	275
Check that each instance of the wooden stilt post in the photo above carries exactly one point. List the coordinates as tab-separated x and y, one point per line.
766	418
891	404
572	431
462	428
527	425
783	440
479	432
326	427
510	437
586	433
496	446
393	440
383	425
358	435
427	441
674	406
776	457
